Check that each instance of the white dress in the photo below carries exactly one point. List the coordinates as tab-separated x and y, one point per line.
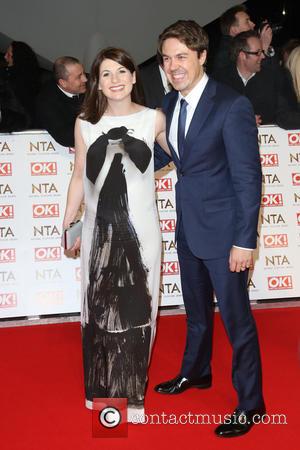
120	257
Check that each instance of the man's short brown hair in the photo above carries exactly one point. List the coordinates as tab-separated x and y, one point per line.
228	18
186	31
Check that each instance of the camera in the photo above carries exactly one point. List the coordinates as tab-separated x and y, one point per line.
275	27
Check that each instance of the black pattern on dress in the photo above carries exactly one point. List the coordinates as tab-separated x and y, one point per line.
116	339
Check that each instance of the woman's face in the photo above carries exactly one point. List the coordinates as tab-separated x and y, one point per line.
115	81
9	56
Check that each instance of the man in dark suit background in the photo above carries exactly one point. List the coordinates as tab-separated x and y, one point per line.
59	102
154	81
212	135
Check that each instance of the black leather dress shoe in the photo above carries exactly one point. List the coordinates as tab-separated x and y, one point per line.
240	422
181	384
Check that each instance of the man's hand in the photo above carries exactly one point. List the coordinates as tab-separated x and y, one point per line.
258	119
240	259
266	35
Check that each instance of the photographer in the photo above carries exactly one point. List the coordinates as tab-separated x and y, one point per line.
234	21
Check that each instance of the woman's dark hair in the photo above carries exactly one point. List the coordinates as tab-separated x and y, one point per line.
24	58
95	103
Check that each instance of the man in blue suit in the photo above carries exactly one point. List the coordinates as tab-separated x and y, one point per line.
212	135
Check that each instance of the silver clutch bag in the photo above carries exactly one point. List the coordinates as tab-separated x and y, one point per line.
71	234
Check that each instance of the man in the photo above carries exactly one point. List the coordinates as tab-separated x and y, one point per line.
154	82
213	141
247	75
59	103
234	21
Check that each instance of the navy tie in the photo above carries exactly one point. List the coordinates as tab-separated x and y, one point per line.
181	127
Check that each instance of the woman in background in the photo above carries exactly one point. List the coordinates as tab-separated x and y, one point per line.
121	240
289	101
22	76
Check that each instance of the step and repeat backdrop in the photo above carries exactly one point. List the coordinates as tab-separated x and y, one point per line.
37	279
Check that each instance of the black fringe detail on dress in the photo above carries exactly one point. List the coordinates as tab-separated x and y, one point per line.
115	351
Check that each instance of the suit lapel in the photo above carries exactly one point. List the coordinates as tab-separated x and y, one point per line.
201	113
169	116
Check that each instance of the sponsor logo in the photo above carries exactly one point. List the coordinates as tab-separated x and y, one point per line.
294	158
5	169
294	138
163	184
44	188
168	246
266	139
5	189
275	240
4	148
7	255
296	179
170	288
47	275
280	282
50	297
167	225
43	168
7	277
269	160
164	203
272	219
6	232
41	147
8	300
169	268
47	254
276	260
42	211
46	231
269	178
6	211
271	200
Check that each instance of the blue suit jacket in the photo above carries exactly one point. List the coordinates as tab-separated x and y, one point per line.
219	177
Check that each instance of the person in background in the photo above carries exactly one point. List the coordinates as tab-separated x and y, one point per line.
232	22
288	116
20	77
249	77
59	102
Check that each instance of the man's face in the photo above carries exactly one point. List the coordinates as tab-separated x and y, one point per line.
182	66
76	80
243	24
9	56
252	61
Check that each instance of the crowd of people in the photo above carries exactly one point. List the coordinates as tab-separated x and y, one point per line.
245	60
119	143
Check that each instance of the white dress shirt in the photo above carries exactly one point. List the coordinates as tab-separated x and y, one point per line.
192	99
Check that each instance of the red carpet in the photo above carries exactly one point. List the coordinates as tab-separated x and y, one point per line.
42	389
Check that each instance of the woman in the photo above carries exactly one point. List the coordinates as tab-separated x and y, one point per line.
22	75
121	242
289	99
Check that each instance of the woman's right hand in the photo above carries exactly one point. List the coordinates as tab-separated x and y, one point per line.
74	251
